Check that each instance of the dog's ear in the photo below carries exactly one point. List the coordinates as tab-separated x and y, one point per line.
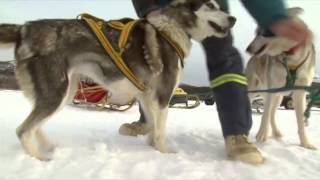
295	11
195	4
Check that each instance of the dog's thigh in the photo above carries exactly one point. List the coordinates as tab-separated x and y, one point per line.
48	86
299	103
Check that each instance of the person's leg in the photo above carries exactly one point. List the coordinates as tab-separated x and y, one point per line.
229	85
225	68
135	128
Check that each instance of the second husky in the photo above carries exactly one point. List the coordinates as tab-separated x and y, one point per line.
265	70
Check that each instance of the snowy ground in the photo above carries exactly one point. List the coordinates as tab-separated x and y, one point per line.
89	147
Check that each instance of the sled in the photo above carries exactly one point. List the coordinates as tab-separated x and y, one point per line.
183	100
90	94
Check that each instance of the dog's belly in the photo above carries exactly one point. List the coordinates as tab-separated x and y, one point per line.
120	99
121	92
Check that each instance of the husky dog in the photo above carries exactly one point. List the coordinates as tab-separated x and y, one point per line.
51	54
265	71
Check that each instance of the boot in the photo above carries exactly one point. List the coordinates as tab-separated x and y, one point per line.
239	148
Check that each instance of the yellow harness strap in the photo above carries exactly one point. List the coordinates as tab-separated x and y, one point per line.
96	25
178	49
125	31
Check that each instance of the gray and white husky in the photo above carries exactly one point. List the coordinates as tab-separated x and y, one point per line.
265	71
51	54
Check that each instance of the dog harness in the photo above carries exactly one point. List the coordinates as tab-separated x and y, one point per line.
125	28
291	71
290	84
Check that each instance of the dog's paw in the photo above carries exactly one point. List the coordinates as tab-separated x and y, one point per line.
45	159
134	129
41	157
50	148
277	135
309	146
164	149
261	137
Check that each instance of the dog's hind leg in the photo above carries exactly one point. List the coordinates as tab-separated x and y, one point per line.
299	103
29	128
48	87
275	131
270	106
32	126
43	140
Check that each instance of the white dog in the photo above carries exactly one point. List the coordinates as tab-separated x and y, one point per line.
265	70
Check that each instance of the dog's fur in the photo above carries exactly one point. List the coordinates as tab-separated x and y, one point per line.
264	71
51	54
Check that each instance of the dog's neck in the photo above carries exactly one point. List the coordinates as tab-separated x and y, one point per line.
171	28
299	54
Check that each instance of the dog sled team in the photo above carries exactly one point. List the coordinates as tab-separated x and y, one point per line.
144	60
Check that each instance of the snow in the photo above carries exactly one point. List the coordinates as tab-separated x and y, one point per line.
89	147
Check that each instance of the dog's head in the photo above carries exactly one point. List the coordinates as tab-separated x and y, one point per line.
265	43
200	18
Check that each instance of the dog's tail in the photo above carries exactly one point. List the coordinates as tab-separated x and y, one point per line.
9	34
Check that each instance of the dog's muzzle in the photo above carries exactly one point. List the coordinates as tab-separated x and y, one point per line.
223	30
232	20
260	50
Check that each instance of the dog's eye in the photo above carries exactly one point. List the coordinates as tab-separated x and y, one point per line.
210	5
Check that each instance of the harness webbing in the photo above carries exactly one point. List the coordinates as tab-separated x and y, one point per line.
115	56
125	31
292	71
96	25
173	44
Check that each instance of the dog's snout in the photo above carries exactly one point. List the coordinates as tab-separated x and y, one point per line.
232	20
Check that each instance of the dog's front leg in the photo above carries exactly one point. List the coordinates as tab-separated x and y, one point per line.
270	106
299	103
159	133
275	131
156	118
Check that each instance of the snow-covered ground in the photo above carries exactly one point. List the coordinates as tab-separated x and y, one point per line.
89	147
